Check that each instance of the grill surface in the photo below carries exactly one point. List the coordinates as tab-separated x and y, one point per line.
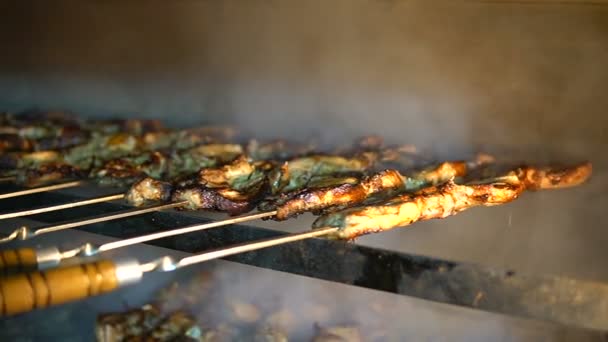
562	300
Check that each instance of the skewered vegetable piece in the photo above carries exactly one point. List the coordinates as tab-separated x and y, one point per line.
297	173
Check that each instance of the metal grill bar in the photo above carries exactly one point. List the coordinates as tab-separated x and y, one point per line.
580	303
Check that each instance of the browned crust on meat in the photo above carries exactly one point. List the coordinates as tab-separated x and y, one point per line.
340	196
449	199
120	169
436	202
443	172
148	189
49	173
201	198
540	178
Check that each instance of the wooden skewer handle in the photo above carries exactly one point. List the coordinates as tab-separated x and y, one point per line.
35	290
18	260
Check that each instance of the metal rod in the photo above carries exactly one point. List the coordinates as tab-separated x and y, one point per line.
41	189
90	250
185	230
252	246
168	264
7	178
70	205
24	233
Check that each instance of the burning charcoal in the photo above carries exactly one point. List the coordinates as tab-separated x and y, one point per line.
175	296
244	312
267	334
174	326
338	334
122	326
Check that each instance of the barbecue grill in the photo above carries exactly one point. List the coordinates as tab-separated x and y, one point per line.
533	269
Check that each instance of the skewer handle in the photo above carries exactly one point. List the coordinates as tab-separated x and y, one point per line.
28	291
18	260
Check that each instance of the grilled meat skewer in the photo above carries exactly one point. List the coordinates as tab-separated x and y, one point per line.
448	199
384	183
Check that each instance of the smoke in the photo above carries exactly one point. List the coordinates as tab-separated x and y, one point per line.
245	297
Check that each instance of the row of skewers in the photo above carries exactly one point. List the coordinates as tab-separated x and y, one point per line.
369	187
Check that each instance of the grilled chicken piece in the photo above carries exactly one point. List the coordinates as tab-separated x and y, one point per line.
316	183
341	196
239	175
48	173
297	173
449	199
382	184
234	188
18	160
118	172
10	142
439	174
191	160
200	197
126	170
148	190
436	202
535	178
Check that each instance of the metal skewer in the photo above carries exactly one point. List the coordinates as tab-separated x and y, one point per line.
50	257
26	292
41	189
24	233
70	205
7	178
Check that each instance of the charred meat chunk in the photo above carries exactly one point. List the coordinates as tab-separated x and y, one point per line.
13	142
344	195
191	160
436	202
148	190
240	175
126	170
201	198
47	173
